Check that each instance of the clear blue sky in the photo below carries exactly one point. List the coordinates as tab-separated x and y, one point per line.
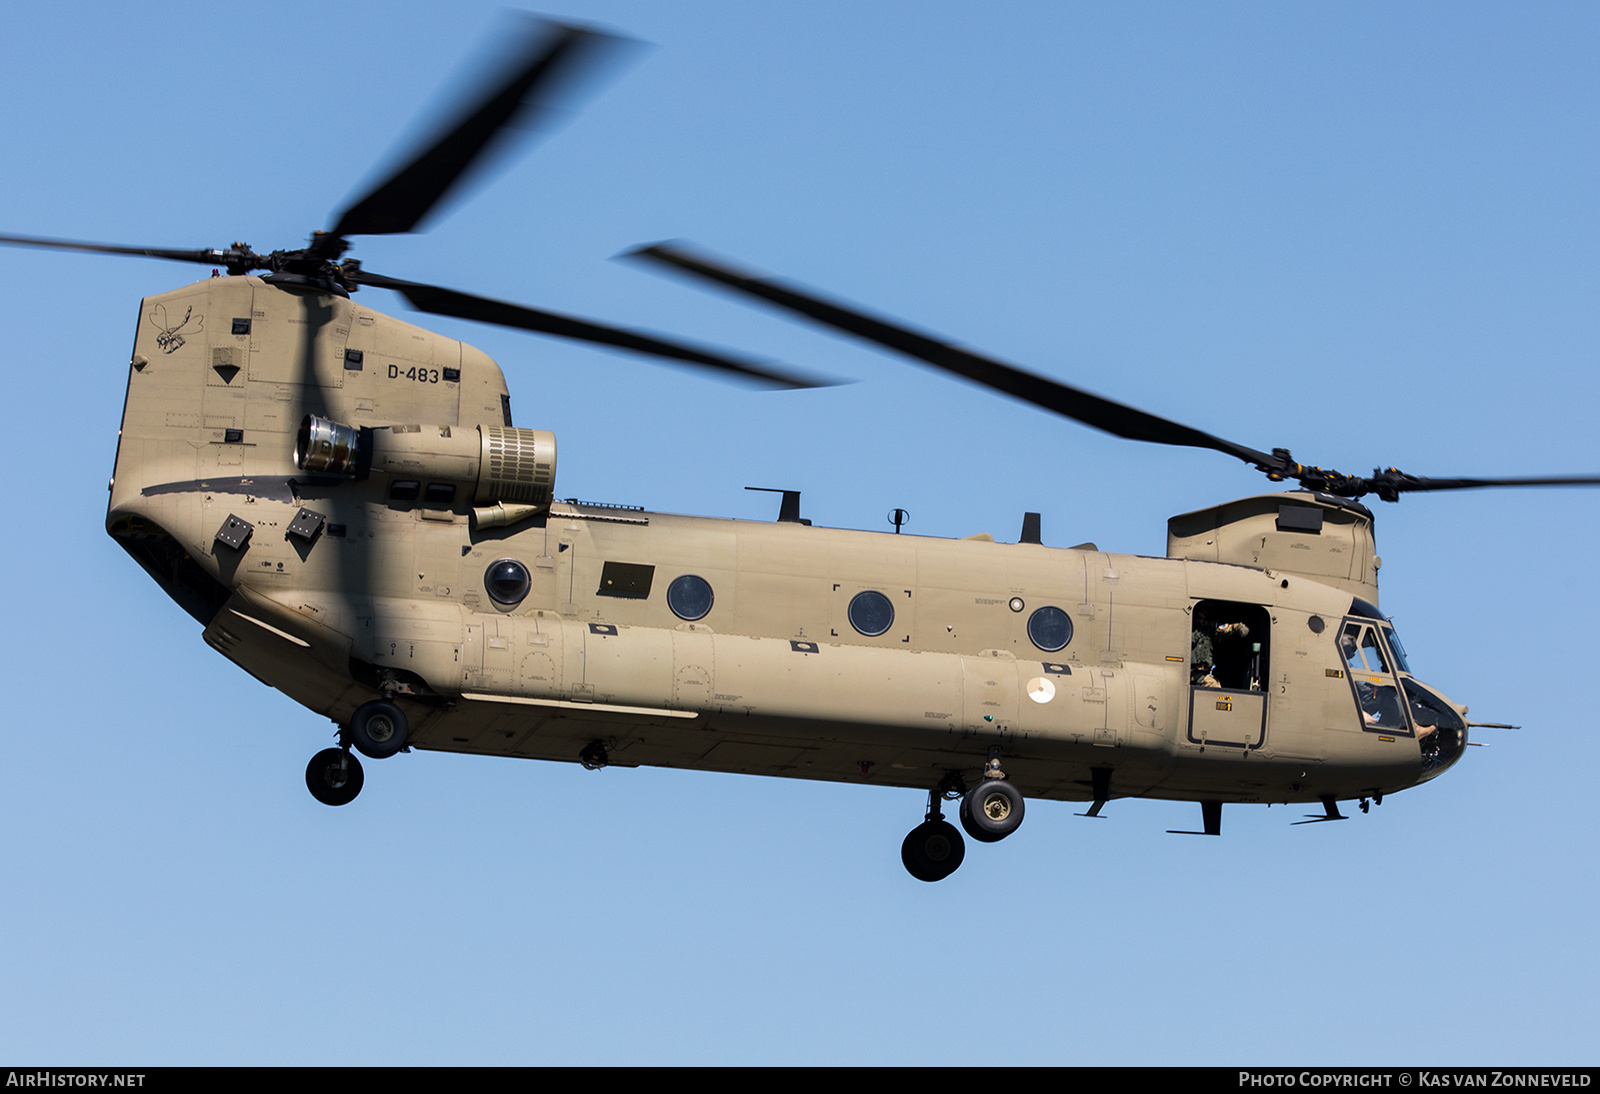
1366	232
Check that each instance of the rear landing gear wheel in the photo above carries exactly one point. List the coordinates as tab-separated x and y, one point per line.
379	729
334	777
933	850
992	810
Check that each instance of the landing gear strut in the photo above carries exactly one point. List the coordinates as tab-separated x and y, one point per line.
378	729
933	849
334	776
992	810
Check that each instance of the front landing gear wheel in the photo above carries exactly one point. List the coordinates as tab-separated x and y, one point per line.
378	730
334	777
992	810
933	850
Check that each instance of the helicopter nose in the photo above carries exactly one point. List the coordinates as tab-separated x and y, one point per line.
1441	728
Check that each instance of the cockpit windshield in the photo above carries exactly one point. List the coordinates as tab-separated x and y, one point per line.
1368	610
1397	649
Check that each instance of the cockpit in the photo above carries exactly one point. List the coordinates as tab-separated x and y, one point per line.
1388	698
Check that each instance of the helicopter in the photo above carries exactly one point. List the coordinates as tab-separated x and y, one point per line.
343	502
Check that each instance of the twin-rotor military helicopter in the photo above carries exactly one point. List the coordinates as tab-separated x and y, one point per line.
341	499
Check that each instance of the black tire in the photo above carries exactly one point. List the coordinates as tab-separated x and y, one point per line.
379	729
992	810
334	777
933	850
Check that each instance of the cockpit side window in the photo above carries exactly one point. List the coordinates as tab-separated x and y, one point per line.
1350	646
1360	648
1376	696
1371	652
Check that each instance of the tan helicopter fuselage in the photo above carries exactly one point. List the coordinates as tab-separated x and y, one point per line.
381	588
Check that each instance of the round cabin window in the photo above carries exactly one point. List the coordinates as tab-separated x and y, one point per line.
690	597
871	613
507	581
1050	629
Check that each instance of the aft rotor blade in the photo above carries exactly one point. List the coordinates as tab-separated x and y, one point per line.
441	301
204	258
1075	403
549	65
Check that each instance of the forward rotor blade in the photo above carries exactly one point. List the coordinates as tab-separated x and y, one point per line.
1079	405
1401	483
440	301
204	258
1070	402
551	60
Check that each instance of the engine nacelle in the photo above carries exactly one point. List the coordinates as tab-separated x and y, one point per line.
494	463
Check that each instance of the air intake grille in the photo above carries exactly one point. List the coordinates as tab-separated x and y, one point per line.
519	465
